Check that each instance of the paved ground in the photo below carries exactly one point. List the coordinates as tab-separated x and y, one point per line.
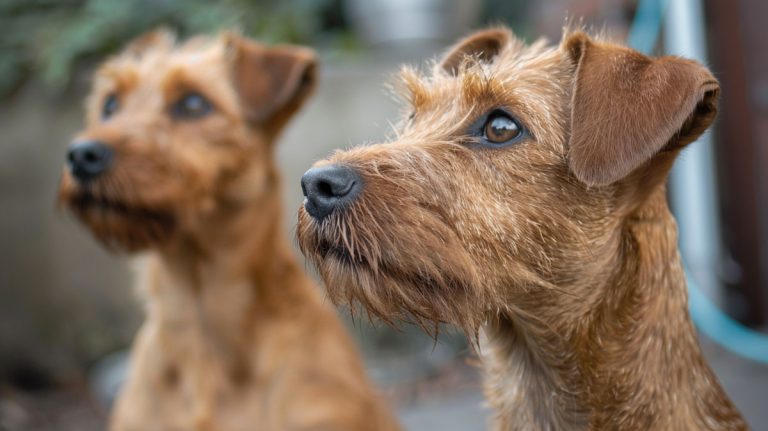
745	381
462	411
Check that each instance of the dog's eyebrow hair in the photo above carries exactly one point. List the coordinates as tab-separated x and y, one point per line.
123	76
178	78
477	85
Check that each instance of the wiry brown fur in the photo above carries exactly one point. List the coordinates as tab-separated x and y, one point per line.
559	250
236	336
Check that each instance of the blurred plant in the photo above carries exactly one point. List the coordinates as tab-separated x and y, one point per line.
48	38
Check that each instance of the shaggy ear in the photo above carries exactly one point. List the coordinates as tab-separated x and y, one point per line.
482	46
626	107
272	82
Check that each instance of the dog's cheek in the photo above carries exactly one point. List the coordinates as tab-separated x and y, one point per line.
503	225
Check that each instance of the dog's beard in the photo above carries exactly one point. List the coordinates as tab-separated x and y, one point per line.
395	268
118	222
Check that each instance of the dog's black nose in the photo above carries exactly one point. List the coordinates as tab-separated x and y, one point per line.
88	159
329	187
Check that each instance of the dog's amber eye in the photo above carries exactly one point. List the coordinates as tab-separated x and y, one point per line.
111	105
500	128
191	106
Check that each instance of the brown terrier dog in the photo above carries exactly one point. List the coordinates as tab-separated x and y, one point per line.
525	200
177	158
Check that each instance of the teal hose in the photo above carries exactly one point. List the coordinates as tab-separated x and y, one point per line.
723	330
646	26
708	318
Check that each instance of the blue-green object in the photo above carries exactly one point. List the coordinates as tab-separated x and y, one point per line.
646	26
722	329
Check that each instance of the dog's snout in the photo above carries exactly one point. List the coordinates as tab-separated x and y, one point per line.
88	159
327	188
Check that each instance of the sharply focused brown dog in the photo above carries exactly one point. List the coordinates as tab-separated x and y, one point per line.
524	200
177	159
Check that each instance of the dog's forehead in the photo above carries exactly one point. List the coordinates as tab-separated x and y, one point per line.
516	66
155	61
533	62
159	74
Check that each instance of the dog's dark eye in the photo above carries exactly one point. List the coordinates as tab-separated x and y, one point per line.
500	128
191	106
111	105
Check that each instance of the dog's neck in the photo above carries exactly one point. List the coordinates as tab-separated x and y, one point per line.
218	282
228	246
625	357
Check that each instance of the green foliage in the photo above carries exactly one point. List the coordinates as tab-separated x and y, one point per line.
48	38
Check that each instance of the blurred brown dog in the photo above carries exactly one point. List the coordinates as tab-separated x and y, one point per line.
524	200
178	158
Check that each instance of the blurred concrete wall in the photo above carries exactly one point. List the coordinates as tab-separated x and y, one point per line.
61	298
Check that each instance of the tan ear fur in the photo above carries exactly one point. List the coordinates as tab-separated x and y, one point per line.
481	46
272	82
626	107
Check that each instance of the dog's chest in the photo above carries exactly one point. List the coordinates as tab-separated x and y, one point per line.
184	380
525	393
195	354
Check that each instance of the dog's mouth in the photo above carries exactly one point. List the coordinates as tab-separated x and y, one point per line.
403	276
119	224
87	202
329	250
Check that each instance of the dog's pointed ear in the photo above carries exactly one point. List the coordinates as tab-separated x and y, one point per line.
272	82
627	107
481	46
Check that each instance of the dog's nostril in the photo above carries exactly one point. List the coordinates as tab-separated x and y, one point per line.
91	157
328	188
325	188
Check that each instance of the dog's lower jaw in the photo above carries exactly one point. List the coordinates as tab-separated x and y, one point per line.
632	362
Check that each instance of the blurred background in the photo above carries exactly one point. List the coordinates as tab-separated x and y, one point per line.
68	311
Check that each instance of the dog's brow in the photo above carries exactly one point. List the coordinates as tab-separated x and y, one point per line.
123	77
179	78
478	85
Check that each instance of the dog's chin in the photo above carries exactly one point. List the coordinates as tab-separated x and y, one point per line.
120	225
390	289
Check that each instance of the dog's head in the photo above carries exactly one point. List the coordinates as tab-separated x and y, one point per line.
177	134
508	181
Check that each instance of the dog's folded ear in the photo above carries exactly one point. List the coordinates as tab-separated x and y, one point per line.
272	82
480	46
627	107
